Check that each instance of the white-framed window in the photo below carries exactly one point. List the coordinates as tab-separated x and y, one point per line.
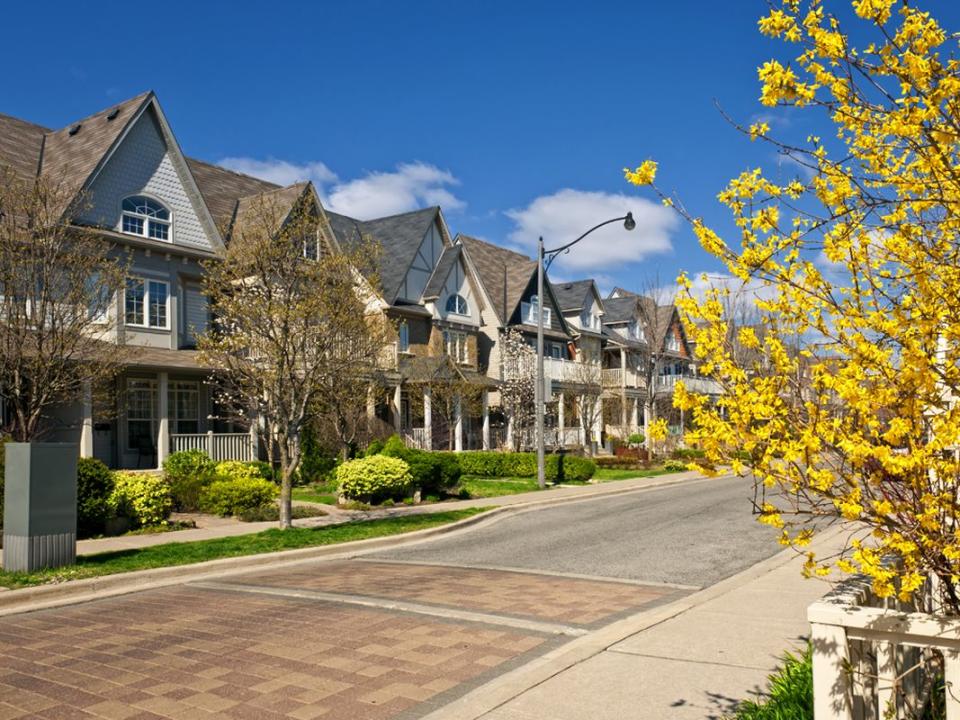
528	311
673	343
144	216
556	351
146	303
403	331
141	414
184	400
457	304
635	330
456	345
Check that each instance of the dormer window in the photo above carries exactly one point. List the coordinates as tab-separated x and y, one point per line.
145	217
457	305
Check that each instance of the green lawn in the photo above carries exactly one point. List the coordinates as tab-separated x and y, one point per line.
480	487
172	554
323	493
608	474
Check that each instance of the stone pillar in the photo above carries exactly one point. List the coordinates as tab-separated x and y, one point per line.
427	419
485	399
371	404
86	427
163	418
458	425
560	431
395	409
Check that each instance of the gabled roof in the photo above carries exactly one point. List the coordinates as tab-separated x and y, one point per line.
222	189
279	200
619	310
71	155
574	296
399	237
449	258
20	145
504	273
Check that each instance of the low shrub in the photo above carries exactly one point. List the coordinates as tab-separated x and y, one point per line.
187	473
316	461
374	448
237	470
569	468
264	470
144	498
636	439
482	463
432	472
374	479
95	484
237	495
674	466
688	454
789	692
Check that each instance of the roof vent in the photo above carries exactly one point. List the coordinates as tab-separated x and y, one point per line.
113	113
74	130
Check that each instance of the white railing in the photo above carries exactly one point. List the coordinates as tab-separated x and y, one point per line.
621	377
570	437
416	438
570	371
218	446
693	383
870	662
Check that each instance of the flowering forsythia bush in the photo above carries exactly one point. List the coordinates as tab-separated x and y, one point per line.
374	478
142	497
841	389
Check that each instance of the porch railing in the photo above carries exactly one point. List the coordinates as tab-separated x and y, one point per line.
874	662
693	383
621	377
218	446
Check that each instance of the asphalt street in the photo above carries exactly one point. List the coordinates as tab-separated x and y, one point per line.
695	533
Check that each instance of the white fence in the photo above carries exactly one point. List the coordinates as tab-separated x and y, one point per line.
870	662
219	446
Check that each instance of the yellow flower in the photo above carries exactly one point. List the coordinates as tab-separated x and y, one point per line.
758	129
643	175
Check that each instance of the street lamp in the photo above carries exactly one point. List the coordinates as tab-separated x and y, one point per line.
550	255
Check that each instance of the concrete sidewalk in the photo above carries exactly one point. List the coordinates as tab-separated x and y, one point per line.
694	658
336	515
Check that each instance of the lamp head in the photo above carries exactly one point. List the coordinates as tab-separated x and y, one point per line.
628	222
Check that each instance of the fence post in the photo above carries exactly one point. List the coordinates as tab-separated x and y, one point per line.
831	680
951	679
210	444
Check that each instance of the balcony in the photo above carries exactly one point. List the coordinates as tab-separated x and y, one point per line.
570	371
622	377
693	383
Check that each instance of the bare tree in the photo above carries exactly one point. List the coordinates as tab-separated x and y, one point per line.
57	283
287	326
586	401
519	382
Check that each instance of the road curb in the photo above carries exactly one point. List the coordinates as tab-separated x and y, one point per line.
505	688
43	597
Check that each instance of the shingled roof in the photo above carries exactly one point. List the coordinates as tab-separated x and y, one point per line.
222	189
449	257
20	144
504	273
572	296
399	237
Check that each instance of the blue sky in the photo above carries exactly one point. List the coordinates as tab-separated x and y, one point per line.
517	118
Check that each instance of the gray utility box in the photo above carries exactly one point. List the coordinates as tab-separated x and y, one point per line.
40	506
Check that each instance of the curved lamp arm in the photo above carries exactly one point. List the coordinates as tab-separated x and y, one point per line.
628	222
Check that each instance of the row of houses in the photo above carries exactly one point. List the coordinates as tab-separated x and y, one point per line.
451	298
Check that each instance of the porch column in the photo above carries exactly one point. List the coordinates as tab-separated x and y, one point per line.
635	415
584	430
623	388
86	419
395	409
510	432
427	419
458	424
560	430
598	420
485	400
254	438
163	419
371	404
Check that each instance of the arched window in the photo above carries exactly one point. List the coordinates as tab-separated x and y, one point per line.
457	304
145	217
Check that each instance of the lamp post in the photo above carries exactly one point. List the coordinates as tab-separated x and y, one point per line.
628	223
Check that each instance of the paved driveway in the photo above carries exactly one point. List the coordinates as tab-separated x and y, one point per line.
393	636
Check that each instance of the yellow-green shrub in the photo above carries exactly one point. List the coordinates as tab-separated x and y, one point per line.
374	479
237	495
144	498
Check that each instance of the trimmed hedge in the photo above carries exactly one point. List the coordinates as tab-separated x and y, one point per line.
144	498
487	463
187	473
95	485
237	495
374	479
432	472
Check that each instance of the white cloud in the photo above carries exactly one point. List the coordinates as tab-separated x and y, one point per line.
376	194
281	172
741	294
566	214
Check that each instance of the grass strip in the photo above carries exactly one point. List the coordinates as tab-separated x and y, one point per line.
495	487
188	553
607	474
312	496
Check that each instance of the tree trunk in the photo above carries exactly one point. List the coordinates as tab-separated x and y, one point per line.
286	500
